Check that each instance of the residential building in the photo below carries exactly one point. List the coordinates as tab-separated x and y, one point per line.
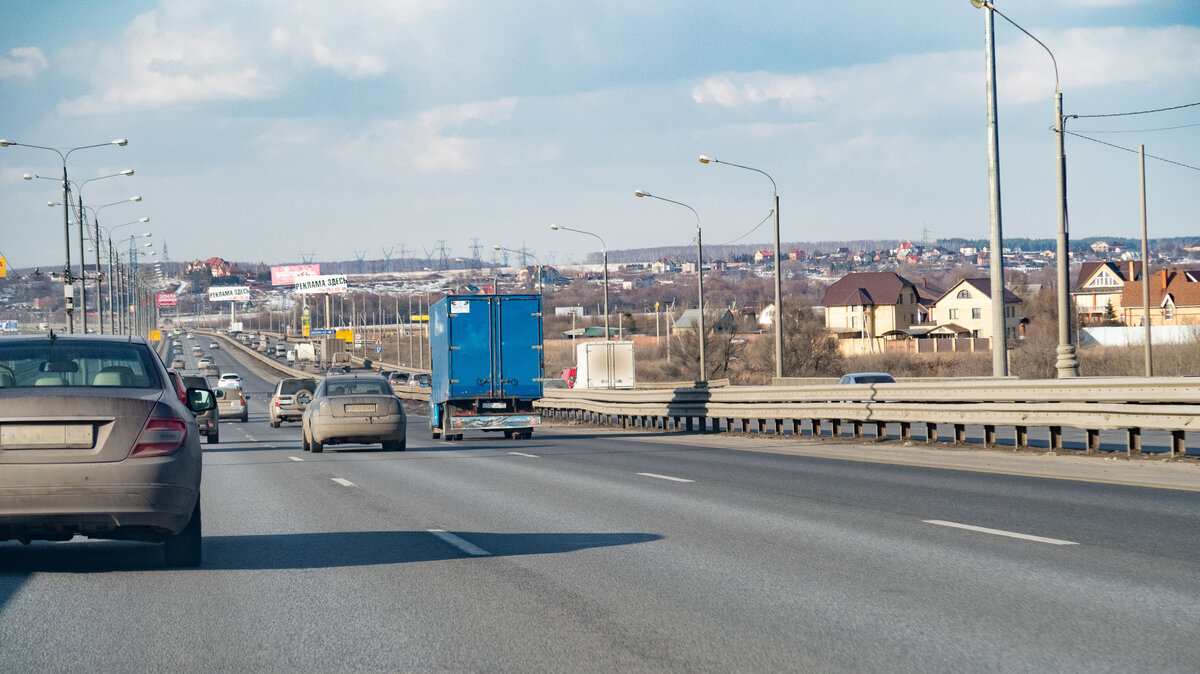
966	309
1174	300
1100	288
868	304
716	320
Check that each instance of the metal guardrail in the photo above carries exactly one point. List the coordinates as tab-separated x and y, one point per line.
1133	405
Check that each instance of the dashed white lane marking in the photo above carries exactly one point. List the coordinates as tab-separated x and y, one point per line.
1000	532
460	543
342	481
295	458
665	477
532	456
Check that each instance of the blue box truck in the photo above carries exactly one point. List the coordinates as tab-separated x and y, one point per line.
486	364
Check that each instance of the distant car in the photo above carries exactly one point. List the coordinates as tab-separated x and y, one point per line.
289	399
398	379
213	345
231	402
230	377
867	378
178	363
420	379
197	351
189	336
280	350
204	360
96	443
210	369
354	409
336	369
208	421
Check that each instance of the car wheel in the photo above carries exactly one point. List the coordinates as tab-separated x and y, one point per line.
391	446
183	548
213	438
403	444
274	424
304	441
508	435
315	447
245	416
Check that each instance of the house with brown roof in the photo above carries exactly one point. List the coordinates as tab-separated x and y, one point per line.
967	308
869	304
1101	286
1174	300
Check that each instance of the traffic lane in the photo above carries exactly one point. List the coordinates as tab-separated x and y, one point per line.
302	571
873	563
1113	515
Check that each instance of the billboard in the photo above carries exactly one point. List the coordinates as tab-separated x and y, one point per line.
332	283
285	275
9	326
228	294
165	299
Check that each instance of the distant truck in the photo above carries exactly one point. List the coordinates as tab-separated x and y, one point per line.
607	365
487	365
305	351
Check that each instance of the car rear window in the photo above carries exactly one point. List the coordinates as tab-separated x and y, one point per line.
292	386
65	362
349	388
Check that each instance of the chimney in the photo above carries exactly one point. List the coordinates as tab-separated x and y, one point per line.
1164	280
1132	277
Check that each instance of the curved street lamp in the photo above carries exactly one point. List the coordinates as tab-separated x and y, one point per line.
699	275
1067	365
540	283
705	159
63	153
604	253
112	320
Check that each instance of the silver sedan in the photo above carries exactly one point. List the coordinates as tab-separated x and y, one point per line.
354	408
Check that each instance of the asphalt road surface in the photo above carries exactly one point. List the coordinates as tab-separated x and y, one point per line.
591	550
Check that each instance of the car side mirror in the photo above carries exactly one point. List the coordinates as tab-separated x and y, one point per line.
200	400
219	393
246	396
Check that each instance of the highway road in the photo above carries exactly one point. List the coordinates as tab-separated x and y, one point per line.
597	550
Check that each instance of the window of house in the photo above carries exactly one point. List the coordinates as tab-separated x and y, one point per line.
976	313
964	294
854	321
953	314
974	333
1168	310
1104	280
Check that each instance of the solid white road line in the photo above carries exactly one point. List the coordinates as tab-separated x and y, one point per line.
295	458
1000	532
460	543
342	481
532	456
666	477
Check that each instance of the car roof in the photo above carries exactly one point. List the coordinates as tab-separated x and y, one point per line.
351	377
117	339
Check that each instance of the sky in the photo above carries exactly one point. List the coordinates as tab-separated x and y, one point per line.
276	130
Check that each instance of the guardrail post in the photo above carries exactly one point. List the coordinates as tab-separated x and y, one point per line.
856	427
1178	448
1093	441
960	434
989	436
930	432
1056	441
881	430
1022	438
796	432
905	431
688	422
1134	445
760	426
816	428
836	425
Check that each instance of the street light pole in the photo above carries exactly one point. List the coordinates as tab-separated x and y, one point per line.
63	153
604	254
699	276
1067	364
538	284
705	159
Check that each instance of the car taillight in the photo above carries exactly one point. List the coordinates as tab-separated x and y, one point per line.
241	398
160	437
277	402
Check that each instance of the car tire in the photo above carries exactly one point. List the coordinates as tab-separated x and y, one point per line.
274	424
315	447
509	435
213	438
184	548
391	446
303	441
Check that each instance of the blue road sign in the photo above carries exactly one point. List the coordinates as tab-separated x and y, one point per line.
322	331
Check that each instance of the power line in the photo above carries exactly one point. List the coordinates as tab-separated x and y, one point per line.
1162	159
1165	128
752	229
1139	112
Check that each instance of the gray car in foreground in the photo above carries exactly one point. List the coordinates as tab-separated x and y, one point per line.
95	441
354	408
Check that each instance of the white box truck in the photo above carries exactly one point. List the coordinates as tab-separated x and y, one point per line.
604	365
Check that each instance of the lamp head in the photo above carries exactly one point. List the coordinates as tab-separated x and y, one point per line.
497	247
144	220
640	193
51	204
554	227
137	198
27	177
705	159
121	141
6	143
127	172
978	4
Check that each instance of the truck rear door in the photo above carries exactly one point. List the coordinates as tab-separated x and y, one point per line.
470	336
519	327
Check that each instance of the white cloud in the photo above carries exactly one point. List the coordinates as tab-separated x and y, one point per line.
22	63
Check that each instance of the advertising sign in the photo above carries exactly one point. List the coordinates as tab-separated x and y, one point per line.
285	275
331	283
156	335
346	336
3	267
165	299
229	294
8	326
